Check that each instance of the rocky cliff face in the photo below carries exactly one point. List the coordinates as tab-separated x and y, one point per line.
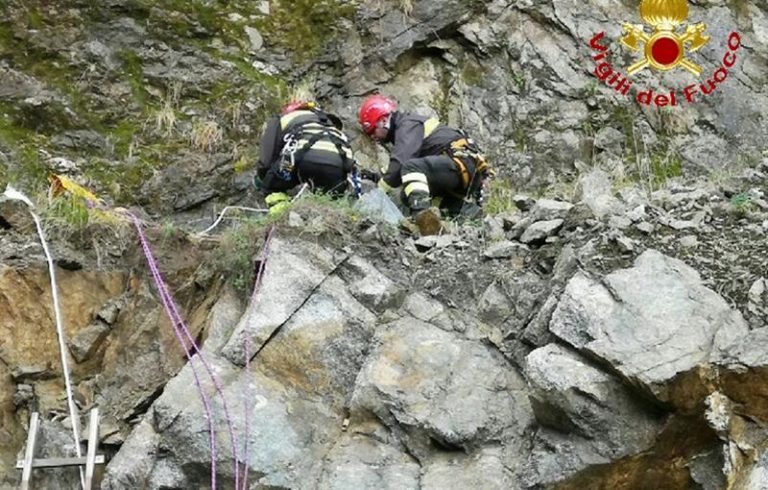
608	332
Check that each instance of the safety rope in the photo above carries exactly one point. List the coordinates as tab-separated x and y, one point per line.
13	194
257	285
221	216
179	328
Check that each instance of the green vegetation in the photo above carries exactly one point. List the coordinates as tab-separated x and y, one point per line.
742	203
473	73
304	27
500	200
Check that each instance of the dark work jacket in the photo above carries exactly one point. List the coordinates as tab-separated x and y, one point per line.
272	141
406	132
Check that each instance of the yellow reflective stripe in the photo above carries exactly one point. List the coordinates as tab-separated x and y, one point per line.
463	170
415	177
287	119
416	186
430	125
324	146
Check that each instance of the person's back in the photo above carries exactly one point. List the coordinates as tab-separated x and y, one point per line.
304	145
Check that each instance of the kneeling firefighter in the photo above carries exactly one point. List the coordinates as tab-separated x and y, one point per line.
429	160
304	145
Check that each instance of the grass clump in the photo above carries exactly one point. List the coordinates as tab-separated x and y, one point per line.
742	203
236	253
500	199
304	27
206	136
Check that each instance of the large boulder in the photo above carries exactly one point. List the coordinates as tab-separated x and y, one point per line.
596	418
652	323
359	461
292	273
440	387
284	413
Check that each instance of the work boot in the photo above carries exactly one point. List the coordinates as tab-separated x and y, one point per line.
428	221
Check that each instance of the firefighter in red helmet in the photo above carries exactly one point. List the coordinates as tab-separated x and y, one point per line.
427	159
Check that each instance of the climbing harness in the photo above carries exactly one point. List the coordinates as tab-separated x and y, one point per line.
311	129
288	157
12	194
472	165
354	181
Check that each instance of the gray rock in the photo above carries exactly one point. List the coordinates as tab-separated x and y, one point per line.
257	42
570	395
486	469
609	138
756	477
689	241
109	312
379	207
651	322
423	307
494	228
441	387
541	230
292	273
369	286
505	250
132	465
619	222
80	139
556	456
87	340
523	202
359	461
645	227
494	306
425	243
707	470
295	220
596	191
548	210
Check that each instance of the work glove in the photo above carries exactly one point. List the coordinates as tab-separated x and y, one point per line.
384	186
277	202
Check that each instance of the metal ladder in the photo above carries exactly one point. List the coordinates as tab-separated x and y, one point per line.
89	461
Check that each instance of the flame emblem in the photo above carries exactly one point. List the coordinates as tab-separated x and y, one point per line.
664	49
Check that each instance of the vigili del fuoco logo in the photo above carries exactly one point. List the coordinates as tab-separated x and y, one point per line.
664	49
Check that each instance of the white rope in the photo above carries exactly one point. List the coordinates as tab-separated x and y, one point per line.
221	216
13	194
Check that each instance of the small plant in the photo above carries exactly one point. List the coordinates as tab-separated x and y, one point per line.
165	117
304	90
521	138
664	166
519	79
742	203
236	252
500	199
206	136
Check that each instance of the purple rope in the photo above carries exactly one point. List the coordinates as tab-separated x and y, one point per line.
174	322
179	324
246	407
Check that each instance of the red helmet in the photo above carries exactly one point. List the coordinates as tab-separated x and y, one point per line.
296	105
373	109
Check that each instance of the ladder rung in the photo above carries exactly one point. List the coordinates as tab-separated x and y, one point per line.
53	462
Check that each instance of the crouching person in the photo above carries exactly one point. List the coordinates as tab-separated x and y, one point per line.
304	145
428	160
